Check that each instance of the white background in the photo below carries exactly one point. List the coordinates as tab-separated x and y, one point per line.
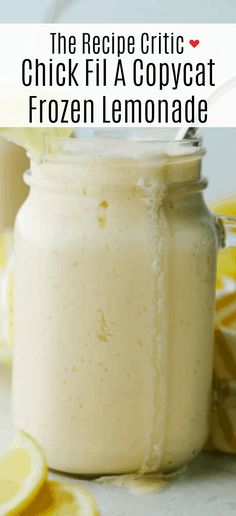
220	162
217	44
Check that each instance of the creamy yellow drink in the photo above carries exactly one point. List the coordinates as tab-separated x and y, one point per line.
114	298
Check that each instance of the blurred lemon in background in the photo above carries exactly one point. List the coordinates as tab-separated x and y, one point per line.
36	141
226	264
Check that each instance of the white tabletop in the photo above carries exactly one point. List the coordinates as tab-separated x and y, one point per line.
206	488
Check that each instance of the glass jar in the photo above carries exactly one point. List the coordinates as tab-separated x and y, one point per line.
115	264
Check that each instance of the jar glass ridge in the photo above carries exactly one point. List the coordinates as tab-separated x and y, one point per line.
114	305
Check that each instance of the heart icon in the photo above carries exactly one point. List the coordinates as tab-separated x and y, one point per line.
194	42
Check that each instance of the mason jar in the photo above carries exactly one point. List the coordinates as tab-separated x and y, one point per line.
115	267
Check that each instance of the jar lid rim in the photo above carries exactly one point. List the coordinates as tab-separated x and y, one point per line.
120	148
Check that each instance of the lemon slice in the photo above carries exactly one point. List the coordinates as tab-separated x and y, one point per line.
23	471
56	498
223	417
36	141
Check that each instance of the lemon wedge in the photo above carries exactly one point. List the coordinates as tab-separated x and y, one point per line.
60	499
226	311
226	264
23	471
223	416
36	141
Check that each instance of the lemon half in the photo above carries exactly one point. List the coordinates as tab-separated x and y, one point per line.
23	471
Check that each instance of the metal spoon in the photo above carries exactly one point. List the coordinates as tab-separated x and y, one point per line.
186	133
